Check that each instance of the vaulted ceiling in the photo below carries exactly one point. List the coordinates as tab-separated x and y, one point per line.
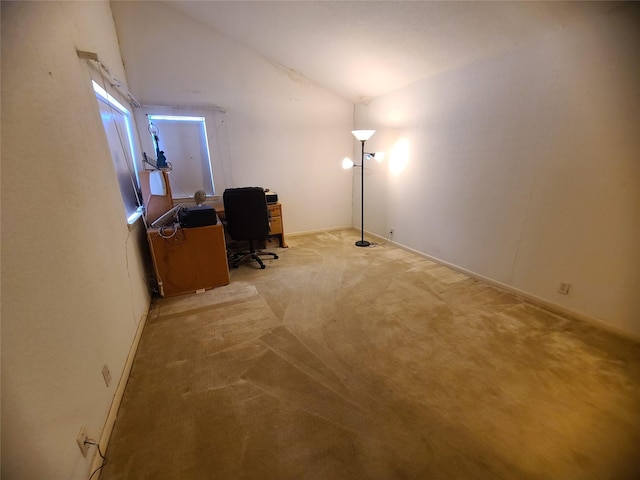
362	49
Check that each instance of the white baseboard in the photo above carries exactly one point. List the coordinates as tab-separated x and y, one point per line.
320	230
552	307
117	399
539	301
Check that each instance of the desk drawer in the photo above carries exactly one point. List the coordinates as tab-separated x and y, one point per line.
276	225
275	210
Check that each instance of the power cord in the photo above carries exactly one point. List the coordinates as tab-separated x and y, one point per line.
386	240
174	230
104	459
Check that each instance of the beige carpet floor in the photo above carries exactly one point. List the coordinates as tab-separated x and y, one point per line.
338	362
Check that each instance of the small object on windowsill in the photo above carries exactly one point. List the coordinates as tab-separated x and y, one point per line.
162	160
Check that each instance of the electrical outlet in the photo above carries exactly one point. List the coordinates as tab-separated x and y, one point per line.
564	288
81	439
391	231
106	374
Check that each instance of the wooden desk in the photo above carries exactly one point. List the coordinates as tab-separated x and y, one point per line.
189	259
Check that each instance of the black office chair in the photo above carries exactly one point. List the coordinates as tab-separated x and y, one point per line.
247	219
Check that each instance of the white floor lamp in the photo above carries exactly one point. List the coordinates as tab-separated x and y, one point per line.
363	136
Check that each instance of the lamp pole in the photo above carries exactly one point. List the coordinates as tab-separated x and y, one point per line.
363	136
362	242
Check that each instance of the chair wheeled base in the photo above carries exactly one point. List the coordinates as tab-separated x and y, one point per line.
253	254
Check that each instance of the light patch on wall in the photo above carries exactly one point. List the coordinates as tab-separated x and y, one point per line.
399	157
397	116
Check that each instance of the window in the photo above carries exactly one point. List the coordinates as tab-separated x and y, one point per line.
183	139
116	120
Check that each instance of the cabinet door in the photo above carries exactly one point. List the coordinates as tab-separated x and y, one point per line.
275	225
190	259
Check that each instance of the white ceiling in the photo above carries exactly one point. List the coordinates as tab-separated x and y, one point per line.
362	49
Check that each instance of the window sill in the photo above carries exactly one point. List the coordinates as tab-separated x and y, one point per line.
134	218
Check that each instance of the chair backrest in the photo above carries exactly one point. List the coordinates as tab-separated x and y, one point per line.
246	213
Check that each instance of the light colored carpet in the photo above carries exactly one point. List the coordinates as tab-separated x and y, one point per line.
338	362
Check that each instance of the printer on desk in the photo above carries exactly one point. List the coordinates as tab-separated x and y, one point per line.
199	216
272	197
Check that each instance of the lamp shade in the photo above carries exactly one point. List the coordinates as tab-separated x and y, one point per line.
347	163
363	135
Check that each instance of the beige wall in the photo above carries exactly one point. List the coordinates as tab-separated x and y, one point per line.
279	131
72	272
524	168
521	168
73	291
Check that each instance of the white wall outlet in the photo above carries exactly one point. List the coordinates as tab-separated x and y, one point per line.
391	231
81	439
106	374
564	288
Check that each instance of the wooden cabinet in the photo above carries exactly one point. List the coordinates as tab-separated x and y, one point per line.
187	260
275	223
